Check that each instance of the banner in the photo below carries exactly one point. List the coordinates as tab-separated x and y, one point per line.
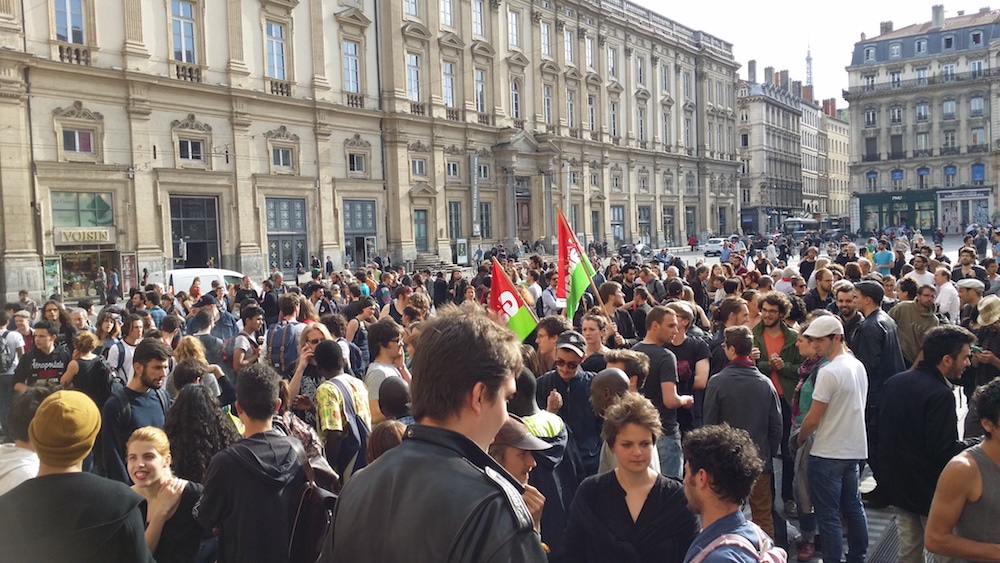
508	305
575	271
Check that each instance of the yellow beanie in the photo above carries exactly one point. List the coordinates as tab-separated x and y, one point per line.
64	428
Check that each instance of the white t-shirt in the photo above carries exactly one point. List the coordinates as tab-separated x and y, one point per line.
926	278
126	371
843	385
14	341
376	374
17	465
948	302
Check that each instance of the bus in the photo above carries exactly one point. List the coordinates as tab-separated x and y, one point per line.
798	228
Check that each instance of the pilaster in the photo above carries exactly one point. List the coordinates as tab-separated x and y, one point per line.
134	50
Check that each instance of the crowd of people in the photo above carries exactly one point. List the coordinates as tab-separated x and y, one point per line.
180	426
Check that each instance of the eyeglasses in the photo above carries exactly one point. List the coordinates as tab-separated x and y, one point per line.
564	363
769	311
314	341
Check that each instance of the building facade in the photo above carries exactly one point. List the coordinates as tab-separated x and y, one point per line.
814	188
253	135
770	141
838	154
922	121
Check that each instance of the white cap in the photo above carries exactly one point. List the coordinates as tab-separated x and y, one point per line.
824	326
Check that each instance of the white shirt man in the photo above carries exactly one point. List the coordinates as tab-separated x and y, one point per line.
120	353
947	296
920	273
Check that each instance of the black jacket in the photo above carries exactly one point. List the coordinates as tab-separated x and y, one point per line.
813	301
435	498
917	436
876	345
251	493
555	477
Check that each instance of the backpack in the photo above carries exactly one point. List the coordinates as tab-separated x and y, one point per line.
767	553
126	408
358	366
355	444
313	514
106	354
6	358
286	353
228	352
110	382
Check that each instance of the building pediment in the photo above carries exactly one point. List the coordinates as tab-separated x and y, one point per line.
449	40
518	59
191	124
454	150
667	100
573	74
615	88
415	30
278	5
418	146
642	94
594	78
353	17
549	67
598	196
281	134
422	189
77	111
689	105
356	142
483	49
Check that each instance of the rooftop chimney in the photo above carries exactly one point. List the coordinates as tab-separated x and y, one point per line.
784	81
769	75
937	16
830	107
984	10
752	72
807	92
863	36
797	88
961	12
885	27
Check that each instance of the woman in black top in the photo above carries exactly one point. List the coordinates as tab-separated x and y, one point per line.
632	513
172	533
54	312
87	372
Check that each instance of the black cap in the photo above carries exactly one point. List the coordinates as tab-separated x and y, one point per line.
572	341
870	288
675	287
206	300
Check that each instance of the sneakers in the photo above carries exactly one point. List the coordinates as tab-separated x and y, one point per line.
791	509
807	550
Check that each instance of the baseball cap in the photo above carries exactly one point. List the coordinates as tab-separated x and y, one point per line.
316	272
675	287
572	341
824	326
515	434
206	300
871	289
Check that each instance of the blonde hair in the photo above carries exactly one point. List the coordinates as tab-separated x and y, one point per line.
153	435
190	347
304	337
85	341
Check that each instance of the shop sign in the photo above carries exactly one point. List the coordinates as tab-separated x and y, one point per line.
84	235
965	194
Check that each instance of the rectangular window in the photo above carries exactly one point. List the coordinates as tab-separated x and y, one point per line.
478	26
486	219
595	179
920	46
454	220
612	61
921	76
948	42
687	133
664	77
618	223
895	79
948	109
480	79
977	37
484	172
513	28
570	108
923	141
589	51
69	21
418	167
896	115
183	26
546	39
640	118
281	156
574	178
448	83
895	50
640	70
356	162
976	69
948	139
515	99
869	82
79	141
446	13
923	111
82	209
978	136
869	54
410	7
744	140
592	112
976	106
451	168
190	149
568	37
352	72
871	117
687	85
547	104
613	118
948	72
275	50
666	129
413	77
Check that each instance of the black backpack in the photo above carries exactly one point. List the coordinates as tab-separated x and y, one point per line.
6	358
313	514
357	366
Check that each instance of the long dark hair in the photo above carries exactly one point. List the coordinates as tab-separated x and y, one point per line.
198	429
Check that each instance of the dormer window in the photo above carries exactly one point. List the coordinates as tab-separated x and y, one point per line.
948	42
869	54
976	38
895	50
920	46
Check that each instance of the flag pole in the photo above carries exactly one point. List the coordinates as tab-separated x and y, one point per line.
597	293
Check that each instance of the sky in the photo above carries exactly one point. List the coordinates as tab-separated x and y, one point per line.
778	32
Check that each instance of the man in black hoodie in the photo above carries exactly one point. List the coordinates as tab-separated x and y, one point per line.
252	487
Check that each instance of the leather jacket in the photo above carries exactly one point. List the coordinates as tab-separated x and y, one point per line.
435	498
876	345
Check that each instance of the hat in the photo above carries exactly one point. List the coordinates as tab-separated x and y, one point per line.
23	313
206	300
675	287
573	341
366	301
515	434
824	326
872	289
972	283
64	428
316	272
989	310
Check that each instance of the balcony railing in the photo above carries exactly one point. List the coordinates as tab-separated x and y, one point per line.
280	87
977	148
923	152
355	101
871	157
417	108
975	113
950	150
948	115
74	54
595	136
485	119
897	155
187	72
519	124
452	115
574	132
866	89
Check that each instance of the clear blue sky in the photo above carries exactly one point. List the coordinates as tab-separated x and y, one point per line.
778	32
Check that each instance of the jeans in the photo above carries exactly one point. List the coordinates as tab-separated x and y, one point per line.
834	487
671	457
787	459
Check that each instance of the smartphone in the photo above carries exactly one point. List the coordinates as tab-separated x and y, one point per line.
975	349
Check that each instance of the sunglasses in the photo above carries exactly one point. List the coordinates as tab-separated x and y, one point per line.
564	363
314	341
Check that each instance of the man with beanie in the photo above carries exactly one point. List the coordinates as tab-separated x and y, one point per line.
65	514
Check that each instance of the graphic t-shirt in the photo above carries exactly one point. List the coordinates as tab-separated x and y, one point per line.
688	353
36	365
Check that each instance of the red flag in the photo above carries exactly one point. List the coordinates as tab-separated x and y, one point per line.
508	305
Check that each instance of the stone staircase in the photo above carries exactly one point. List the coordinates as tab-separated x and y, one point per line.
432	262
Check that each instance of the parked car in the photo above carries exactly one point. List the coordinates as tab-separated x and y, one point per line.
835	235
714	246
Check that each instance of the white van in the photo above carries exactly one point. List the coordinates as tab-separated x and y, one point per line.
181	279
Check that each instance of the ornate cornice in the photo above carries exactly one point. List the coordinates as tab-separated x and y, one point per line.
77	111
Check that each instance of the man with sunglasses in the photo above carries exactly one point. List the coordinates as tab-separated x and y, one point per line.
566	391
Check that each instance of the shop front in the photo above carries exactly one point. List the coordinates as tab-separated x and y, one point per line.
914	209
80	252
963	207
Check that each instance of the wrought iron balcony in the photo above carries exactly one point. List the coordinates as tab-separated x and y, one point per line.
902	85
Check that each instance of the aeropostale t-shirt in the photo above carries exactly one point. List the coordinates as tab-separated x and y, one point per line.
36	365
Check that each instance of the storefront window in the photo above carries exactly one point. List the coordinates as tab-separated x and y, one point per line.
80	273
82	209
900	214
870	217
924	212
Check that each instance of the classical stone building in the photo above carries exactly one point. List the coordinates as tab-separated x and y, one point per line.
838	153
253	134
922	118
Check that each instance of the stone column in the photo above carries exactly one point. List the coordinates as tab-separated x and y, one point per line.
237	67
247	206
11	33
134	50
317	40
